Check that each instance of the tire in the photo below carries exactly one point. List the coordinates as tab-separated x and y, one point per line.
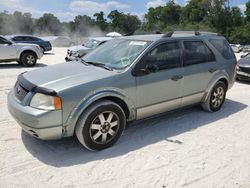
28	59
216	98
96	129
19	62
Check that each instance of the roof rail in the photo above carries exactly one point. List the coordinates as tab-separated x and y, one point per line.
188	33
129	33
158	32
169	34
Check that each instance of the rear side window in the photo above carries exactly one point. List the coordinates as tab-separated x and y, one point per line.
197	52
33	39
18	39
223	47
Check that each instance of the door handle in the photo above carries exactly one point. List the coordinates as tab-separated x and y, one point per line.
212	70
176	78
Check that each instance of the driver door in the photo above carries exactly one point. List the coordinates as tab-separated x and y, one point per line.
159	80
7	51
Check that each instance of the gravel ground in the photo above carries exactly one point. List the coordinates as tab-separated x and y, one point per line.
188	148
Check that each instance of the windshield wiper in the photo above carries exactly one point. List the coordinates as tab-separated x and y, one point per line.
97	64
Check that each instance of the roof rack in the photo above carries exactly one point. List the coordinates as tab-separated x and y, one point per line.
188	33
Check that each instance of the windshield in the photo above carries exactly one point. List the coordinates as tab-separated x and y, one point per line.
117	54
91	43
6	39
247	56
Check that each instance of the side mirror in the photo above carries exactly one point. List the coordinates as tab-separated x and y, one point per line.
8	43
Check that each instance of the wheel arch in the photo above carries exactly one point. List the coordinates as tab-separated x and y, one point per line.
225	81
27	51
113	96
221	76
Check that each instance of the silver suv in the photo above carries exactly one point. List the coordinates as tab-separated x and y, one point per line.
123	80
76	52
24	54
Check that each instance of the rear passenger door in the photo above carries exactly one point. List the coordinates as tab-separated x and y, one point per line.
199	64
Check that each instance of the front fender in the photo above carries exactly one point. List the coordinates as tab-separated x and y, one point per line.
93	97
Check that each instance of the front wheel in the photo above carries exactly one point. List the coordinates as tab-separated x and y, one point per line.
216	98
101	125
28	59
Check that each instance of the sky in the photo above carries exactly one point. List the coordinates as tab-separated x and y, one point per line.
66	10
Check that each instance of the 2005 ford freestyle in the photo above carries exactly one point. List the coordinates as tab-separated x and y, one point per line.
125	79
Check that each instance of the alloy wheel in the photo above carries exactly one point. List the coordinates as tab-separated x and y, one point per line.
218	97
104	127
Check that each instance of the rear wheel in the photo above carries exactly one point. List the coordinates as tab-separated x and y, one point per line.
101	125
28	59
216	98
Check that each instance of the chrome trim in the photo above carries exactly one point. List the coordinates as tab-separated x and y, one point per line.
147	111
154	109
192	99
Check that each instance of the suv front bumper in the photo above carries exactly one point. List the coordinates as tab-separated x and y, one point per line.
42	124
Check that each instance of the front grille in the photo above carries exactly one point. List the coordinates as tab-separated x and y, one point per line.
20	92
69	52
245	69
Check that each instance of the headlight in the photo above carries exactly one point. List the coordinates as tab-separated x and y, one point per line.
46	102
38	47
75	54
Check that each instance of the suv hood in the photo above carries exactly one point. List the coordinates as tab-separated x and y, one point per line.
244	62
66	75
78	48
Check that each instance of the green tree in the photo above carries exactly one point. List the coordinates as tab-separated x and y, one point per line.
247	12
116	18
49	24
236	17
124	22
100	20
170	14
153	18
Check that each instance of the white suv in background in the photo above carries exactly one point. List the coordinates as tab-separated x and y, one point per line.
25	54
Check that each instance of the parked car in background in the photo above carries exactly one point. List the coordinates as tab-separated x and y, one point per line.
59	41
246	48
123	80
44	45
76	52
25	54
237	48
243	68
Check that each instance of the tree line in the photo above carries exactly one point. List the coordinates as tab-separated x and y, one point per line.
204	15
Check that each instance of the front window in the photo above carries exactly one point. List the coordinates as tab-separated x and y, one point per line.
165	56
117	54
92	43
4	41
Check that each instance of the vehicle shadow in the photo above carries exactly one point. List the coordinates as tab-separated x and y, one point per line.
243	82
17	66
69	151
48	53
